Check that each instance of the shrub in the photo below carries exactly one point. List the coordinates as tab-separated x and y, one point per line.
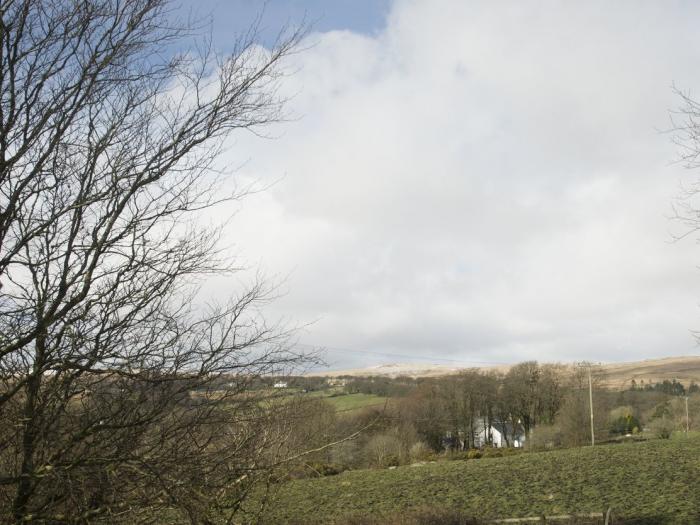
311	470
425	516
383	450
458	455
328	469
622	421
511	451
392	460
661	427
419	451
492	452
545	437
474	454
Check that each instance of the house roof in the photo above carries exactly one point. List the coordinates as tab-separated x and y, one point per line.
504	427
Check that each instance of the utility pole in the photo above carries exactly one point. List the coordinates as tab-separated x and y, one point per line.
687	418
590	402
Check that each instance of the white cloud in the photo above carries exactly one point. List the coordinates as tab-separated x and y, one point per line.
483	181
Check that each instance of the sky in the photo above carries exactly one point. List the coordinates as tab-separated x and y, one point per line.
227	18
473	182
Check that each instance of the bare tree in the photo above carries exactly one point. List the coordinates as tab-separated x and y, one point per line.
119	399
574	417
685	129
522	389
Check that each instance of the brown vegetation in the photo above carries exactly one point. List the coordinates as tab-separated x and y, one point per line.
614	375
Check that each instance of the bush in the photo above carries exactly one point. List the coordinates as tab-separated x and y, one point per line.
425	516
419	451
661	427
624	425
383	450
474	454
487	452
493	452
327	469
545	437
312	470
458	455
392	460
622	421
511	451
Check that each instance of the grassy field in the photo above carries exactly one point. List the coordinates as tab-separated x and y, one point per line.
657	481
350	402
337	398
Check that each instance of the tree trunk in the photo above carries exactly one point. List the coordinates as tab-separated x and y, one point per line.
26	483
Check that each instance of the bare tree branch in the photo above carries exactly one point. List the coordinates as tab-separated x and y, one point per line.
121	398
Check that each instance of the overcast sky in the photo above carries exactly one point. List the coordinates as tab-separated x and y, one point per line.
475	181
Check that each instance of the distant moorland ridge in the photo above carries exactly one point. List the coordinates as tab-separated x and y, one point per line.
617	375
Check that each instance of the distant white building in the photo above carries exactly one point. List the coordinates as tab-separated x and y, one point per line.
280	384
500	435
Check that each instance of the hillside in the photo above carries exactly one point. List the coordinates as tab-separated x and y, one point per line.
684	369
650	482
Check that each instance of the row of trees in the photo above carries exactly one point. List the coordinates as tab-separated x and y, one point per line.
459	405
422	413
672	387
549	403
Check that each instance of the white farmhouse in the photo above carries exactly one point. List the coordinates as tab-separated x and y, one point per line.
500	434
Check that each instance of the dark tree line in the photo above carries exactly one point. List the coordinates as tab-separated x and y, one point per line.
673	387
463	405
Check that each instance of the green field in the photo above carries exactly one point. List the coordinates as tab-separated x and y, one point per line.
657	481
337	398
350	402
